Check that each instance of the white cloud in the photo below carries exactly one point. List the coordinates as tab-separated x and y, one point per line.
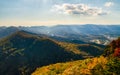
79	9
109	4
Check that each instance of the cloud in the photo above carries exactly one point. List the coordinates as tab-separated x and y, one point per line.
109	4
79	9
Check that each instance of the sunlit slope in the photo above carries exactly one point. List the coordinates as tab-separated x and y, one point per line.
81	67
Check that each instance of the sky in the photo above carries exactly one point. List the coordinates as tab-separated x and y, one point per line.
56	12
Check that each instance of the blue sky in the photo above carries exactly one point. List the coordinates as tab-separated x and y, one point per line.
53	12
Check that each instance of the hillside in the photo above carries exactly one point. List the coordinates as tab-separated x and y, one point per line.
109	64
80	67
94	66
21	53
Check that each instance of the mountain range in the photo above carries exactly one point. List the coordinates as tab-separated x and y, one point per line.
85	33
24	49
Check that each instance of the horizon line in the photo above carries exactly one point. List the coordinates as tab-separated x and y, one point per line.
51	25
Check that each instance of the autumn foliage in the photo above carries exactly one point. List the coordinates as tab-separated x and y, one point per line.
113	49
117	52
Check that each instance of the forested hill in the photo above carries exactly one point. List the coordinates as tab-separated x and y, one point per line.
21	53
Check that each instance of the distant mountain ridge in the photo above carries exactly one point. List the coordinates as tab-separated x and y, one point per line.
5	31
75	29
100	34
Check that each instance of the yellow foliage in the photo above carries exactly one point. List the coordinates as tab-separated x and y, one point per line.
80	67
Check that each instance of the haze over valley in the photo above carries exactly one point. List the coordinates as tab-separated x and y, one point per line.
89	33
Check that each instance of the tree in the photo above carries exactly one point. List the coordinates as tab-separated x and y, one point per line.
117	52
